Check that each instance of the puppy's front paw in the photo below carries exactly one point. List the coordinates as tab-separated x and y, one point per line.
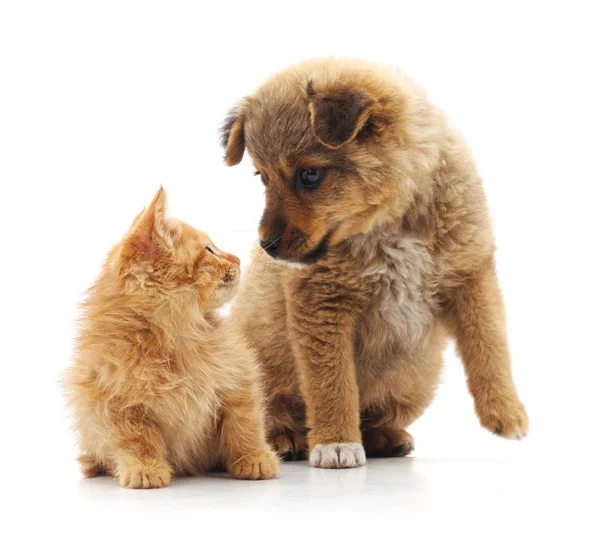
504	418
145	477
259	465
338	455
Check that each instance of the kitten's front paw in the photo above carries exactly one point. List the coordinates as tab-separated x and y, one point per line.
145	477
338	455
504	418
259	465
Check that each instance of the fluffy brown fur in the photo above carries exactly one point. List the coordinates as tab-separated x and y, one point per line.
395	254
159	386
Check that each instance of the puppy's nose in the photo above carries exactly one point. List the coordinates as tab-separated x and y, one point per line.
271	245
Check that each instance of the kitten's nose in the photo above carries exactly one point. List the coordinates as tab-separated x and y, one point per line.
226	255
271	245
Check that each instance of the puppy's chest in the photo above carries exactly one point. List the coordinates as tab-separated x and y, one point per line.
401	306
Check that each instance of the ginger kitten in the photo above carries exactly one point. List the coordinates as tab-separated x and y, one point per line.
160	386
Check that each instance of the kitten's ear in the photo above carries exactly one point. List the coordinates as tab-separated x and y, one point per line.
232	136
149	235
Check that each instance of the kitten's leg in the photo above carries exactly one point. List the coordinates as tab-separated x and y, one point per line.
139	449
91	466
247	453
478	319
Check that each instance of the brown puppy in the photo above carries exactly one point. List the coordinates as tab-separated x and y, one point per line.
376	198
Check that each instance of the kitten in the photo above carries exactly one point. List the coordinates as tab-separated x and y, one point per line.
159	385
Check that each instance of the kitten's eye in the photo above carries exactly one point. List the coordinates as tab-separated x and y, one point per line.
210	250
309	178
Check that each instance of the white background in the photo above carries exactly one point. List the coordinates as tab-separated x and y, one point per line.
100	102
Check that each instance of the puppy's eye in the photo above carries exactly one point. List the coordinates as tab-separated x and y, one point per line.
210	250
309	178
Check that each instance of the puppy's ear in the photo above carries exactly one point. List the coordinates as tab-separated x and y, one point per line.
338	115
232	136
150	234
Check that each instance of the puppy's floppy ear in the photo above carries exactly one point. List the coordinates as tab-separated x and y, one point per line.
338	115
150	234
232	136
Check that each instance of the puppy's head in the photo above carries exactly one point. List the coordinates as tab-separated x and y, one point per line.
325	137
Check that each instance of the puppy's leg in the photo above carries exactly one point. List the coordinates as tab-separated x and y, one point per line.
247	453
322	328
387	442
411	388
290	445
478	318
285	424
383	429
139	449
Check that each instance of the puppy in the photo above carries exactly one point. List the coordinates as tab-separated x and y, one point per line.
376	200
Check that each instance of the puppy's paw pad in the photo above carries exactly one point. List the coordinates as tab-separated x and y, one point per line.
260	465
509	421
338	455
145	477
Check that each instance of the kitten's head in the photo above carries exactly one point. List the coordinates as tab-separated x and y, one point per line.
166	256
